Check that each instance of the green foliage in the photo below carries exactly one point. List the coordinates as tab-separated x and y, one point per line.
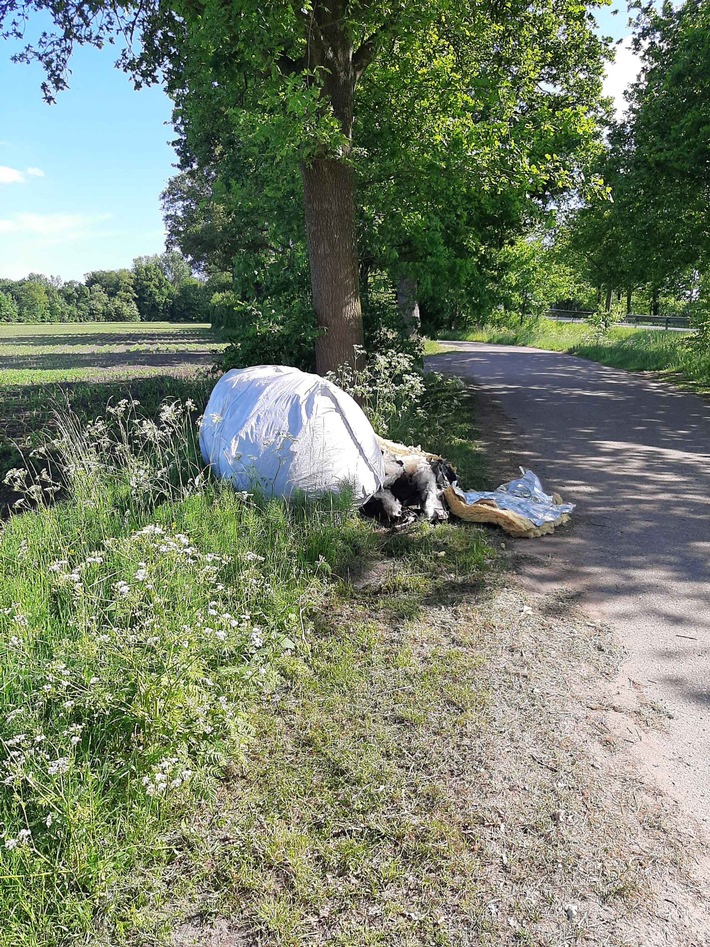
191	302
457	106
386	383
32	301
9	310
280	330
157	289
173	266
154	292
651	237
135	638
462	123
602	319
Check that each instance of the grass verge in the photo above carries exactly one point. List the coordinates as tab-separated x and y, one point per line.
145	622
231	721
673	354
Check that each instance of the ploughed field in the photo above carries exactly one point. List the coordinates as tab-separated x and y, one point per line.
45	367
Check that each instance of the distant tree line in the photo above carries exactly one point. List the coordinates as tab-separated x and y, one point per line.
157	288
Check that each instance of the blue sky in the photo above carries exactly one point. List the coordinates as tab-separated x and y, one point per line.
88	171
80	180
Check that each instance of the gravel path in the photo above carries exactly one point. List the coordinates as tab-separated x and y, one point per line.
634	454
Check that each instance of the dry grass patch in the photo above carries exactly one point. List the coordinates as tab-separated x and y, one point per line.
433	778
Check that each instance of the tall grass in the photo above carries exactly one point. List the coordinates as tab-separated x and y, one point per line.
140	619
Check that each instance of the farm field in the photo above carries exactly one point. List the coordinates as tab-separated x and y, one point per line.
87	365
37	354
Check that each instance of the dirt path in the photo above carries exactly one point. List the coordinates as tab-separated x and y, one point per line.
634	454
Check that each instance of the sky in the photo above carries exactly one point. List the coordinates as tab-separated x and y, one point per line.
80	181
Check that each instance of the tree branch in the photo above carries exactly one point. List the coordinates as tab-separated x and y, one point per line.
368	50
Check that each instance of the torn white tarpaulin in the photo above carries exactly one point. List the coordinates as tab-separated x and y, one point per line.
282	431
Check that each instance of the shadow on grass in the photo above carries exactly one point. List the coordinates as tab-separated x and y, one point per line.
99	360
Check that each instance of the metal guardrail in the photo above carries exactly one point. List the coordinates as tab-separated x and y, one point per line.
662	322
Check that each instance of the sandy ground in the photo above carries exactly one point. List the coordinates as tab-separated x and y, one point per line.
634	454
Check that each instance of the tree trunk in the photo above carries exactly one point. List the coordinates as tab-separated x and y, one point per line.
329	192
408	305
607	302
628	302
364	285
654	302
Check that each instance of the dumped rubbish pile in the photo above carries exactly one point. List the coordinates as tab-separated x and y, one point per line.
285	432
282	431
520	507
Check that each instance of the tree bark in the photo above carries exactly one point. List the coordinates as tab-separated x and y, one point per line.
364	273
329	192
628	302
607	302
408	305
654	302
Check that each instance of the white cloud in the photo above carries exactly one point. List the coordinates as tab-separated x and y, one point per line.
620	74
10	175
35	172
51	227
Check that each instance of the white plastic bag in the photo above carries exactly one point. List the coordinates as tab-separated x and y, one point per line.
280	430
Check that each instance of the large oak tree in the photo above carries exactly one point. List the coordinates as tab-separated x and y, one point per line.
289	72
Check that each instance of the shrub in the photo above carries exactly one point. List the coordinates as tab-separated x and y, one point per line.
280	330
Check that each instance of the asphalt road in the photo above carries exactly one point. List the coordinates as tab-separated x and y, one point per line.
634	454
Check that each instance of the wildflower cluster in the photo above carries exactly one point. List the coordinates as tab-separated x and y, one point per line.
160	658
385	384
137	634
154	460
